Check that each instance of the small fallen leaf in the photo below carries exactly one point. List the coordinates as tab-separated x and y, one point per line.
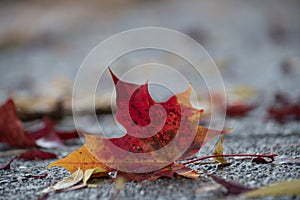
48	128
244	92
233	188
11	128
239	109
67	135
13	133
71	180
31	155
187	173
89	172
283	109
261	160
219	151
284	113
277	189
36	154
49	138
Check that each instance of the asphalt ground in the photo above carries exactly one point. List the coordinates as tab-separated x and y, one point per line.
275	138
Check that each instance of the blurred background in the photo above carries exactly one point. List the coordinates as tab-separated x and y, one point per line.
255	44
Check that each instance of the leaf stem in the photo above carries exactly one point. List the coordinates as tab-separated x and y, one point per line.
271	156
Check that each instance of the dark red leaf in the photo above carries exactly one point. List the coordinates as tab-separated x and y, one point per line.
283	109
233	188
11	128
67	135
284	113
239	110
261	160
31	155
47	136
49	126
36	154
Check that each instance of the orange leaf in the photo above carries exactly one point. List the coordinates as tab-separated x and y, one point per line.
80	158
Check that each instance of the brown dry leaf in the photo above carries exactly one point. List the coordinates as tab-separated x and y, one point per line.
187	173
219	151
71	180
233	188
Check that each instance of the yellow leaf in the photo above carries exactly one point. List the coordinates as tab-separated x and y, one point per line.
282	188
71	180
244	91
80	158
89	172
219	151
189	174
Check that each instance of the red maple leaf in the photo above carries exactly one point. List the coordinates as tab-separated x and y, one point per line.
158	134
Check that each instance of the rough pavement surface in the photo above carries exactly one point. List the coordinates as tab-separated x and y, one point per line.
15	185
249	40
